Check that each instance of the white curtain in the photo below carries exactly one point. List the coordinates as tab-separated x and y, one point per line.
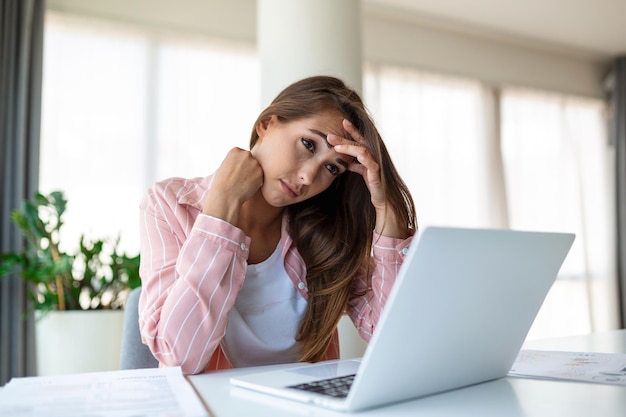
437	130
559	176
477	157
125	106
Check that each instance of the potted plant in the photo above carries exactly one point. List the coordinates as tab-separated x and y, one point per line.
77	296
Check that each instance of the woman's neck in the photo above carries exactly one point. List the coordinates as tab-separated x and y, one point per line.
257	214
262	223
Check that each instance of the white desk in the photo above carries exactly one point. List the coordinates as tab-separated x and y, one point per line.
505	397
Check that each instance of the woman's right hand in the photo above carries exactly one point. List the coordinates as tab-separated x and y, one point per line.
237	179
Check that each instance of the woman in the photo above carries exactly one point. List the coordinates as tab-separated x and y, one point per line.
256	263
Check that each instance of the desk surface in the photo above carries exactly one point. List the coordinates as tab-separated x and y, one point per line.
514	397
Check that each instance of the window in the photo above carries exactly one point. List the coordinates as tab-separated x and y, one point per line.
558	169
434	128
124	107
547	169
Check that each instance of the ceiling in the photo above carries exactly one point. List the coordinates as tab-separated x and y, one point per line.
596	27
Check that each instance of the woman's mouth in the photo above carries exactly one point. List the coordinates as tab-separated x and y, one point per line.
288	190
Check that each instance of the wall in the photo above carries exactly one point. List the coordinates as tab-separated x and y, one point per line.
388	37
491	58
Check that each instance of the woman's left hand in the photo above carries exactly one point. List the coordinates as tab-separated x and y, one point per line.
369	168
364	162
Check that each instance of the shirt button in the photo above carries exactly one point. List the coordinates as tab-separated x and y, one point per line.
243	246
301	285
405	251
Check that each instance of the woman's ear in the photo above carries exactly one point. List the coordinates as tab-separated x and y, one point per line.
261	127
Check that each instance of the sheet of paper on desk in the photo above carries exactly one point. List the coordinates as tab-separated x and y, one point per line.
158	392
601	368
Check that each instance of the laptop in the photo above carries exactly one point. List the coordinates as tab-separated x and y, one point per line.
458	314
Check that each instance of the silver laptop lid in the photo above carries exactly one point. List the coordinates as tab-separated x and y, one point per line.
459	312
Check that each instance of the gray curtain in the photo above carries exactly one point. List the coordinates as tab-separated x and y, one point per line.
21	52
618	139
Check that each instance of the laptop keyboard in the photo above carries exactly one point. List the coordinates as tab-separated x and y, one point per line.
337	387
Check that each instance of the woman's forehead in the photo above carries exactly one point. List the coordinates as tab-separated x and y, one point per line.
327	123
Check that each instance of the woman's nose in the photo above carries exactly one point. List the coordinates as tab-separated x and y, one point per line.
308	172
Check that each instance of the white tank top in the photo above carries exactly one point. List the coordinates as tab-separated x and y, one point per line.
263	323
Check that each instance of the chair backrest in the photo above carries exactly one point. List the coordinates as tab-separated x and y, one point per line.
134	354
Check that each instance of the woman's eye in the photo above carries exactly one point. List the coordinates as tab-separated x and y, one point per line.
332	169
308	144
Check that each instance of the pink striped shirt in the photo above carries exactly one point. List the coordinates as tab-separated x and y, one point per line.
193	266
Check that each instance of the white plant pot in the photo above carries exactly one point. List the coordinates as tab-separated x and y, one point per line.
70	342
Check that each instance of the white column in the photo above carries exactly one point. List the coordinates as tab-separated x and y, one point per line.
299	38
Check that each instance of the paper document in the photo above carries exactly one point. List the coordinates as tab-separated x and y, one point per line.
602	368
156	392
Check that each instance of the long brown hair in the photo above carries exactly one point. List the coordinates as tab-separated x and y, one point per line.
333	230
